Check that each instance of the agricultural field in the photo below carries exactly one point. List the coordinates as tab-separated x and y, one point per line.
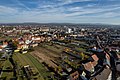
40	60
39	71
7	70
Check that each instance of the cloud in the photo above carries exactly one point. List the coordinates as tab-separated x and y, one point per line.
79	11
73	1
18	2
59	11
4	10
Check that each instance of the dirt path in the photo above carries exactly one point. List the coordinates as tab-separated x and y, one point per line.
46	52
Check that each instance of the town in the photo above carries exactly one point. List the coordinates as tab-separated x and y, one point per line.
53	51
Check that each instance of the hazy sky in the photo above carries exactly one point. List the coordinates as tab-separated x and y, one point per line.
69	11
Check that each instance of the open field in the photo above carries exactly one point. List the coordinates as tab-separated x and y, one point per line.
54	50
45	53
7	75
23	60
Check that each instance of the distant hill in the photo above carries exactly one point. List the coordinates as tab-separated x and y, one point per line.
63	24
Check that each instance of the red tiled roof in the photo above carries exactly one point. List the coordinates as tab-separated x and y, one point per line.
95	57
118	56
1	47
90	65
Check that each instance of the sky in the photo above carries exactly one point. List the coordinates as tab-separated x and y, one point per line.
60	11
